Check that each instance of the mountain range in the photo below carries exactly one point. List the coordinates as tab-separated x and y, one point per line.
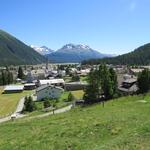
15	52
74	53
71	53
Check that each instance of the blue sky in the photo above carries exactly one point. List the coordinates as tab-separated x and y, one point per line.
110	26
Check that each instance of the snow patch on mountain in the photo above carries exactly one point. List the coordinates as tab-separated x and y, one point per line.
43	50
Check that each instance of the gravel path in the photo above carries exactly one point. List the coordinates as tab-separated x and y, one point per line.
20	106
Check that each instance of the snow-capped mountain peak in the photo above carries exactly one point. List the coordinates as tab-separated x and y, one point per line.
43	50
74	46
83	46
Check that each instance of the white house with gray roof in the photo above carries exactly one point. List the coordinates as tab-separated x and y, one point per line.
48	91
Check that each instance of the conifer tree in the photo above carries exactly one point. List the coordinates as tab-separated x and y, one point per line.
144	81
20	73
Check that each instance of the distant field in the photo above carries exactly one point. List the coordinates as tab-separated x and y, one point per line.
8	102
123	124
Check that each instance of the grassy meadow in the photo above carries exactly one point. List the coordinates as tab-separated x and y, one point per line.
123	124
8	102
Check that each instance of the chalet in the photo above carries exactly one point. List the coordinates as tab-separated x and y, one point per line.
129	86
136	71
55	82
48	91
13	88
52	74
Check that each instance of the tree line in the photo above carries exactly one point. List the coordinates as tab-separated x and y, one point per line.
144	81
140	56
6	77
102	84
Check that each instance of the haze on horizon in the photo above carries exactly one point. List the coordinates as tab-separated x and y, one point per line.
110	26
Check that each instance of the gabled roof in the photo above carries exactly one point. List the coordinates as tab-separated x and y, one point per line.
133	88
46	86
132	80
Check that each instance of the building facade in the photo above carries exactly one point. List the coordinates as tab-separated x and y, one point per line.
48	91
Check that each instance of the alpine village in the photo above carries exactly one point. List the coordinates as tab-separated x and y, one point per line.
74	97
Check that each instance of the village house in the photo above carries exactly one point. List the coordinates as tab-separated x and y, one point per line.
136	71
129	86
13	88
52	74
56	82
48	91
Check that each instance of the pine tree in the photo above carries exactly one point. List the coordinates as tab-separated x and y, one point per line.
113	77
92	90
4	80
20	73
144	81
101	82
46	103
106	83
29	105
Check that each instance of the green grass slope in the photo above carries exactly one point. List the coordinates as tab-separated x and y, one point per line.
15	52
123	124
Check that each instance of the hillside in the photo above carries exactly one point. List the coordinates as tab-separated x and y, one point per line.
140	56
15	52
74	53
123	124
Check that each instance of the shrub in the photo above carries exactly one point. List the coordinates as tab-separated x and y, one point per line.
29	104
46	103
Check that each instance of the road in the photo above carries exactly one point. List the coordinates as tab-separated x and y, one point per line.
20	105
58	111
20	108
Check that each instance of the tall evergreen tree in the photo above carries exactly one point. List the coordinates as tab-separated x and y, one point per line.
113	77
29	104
20	73
4	80
102	82
106	83
92	90
144	81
